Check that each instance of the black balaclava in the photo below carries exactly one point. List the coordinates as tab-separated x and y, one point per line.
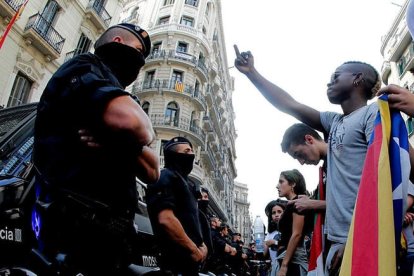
180	162
203	204
123	60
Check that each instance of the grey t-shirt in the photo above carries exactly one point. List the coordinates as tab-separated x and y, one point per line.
347	146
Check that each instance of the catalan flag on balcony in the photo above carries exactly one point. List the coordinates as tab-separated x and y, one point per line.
375	234
179	86
12	21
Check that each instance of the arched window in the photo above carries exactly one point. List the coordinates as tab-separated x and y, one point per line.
145	107
171	114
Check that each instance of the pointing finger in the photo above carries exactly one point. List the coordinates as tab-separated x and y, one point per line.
236	49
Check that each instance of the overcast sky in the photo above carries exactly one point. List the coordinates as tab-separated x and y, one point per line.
297	44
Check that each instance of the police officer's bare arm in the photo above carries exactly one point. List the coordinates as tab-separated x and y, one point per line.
125	117
274	94
175	230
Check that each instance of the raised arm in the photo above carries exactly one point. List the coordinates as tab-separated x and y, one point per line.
274	94
126	119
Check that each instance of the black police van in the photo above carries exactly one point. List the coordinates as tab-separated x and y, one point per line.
17	197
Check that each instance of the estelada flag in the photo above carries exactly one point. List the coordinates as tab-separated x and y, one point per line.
375	231
316	262
12	21
179	86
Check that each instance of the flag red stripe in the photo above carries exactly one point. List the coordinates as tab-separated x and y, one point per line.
366	213
317	236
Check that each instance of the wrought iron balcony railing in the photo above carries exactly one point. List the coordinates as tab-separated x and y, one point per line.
173	85
99	9
14	4
176	122
172	54
44	29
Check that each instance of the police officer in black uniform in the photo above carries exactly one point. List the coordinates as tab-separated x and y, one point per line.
87	193
172	207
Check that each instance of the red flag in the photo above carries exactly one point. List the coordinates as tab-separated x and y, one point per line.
316	263
12	21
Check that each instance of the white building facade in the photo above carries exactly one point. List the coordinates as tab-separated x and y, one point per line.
186	90
46	34
185	87
397	50
242	220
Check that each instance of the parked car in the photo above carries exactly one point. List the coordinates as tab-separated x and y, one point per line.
17	196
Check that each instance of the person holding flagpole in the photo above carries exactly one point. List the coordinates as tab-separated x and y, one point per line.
351	86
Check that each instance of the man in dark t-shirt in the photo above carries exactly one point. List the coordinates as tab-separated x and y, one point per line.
173	211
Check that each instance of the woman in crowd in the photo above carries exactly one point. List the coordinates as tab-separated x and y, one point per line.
274	211
291	253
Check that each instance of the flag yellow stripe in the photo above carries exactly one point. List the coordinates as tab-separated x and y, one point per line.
386	234
346	266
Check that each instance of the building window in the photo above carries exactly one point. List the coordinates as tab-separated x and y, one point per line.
191	2
47	17
164	20
84	44
145	107
171	114
169	2
177	81
193	120
20	91
177	76
182	47
201	57
208	9
204	30
99	4
149	79
197	88
187	21
156	47
134	13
